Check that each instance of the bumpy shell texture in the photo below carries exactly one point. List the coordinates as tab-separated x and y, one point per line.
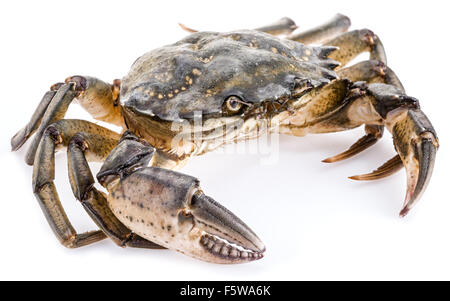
199	72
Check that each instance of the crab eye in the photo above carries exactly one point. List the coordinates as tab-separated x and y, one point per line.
233	104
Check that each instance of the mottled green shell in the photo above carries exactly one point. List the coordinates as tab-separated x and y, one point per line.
199	72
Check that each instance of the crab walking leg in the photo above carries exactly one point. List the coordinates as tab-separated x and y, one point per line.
337	25
345	105
283	26
385	170
96	96
54	112
316	115
81	137
93	201
19	139
371	71
44	174
415	139
373	134
353	43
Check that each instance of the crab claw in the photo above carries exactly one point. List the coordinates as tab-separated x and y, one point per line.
416	143
168	208
224	236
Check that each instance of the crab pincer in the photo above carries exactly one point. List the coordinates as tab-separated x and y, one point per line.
170	209
415	141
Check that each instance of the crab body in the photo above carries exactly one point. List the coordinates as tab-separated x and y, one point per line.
198	73
207	90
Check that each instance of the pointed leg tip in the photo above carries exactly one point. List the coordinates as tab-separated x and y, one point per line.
328	160
185	28
14	146
355	178
18	140
360	145
404	211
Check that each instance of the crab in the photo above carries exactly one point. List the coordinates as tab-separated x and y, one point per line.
205	91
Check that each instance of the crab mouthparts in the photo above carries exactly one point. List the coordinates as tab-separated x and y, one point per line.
220	247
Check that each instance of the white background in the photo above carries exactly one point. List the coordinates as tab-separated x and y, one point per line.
316	224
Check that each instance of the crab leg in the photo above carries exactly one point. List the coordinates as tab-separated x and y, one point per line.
416	143
44	174
355	42
344	105
170	209
22	136
96	96
337	25
54	112
385	170
373	134
405	124
93	201
283	26
414	138
370	71
80	137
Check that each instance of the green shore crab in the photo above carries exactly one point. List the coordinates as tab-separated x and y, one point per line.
205	91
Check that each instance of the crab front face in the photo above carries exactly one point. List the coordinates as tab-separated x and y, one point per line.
228	79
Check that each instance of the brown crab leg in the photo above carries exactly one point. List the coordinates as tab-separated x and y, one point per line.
47	196
337	25
188	29
355	42
414	137
283	26
19	139
371	71
82	138
93	201
416	143
97	97
373	134
54	112
385	170
345	105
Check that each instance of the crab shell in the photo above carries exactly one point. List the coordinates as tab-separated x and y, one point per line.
199	72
